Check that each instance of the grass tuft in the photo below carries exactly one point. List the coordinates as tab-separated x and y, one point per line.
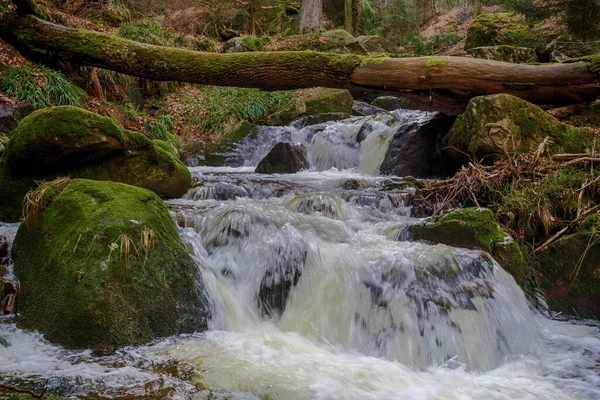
41	86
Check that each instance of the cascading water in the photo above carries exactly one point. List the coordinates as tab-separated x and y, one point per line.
313	296
359	143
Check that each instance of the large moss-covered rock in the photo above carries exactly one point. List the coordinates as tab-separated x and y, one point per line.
501	120
336	41
569	273
103	265
512	54
72	141
244	44
312	101
497	29
475	228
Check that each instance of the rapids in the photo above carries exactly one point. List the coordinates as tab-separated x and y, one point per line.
314	295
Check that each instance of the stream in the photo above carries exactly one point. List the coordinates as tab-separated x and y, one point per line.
315	294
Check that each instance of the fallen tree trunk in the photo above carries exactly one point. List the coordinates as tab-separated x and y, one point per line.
558	83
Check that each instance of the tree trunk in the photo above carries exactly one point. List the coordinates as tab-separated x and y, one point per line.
348	21
310	15
556	83
357	16
476	8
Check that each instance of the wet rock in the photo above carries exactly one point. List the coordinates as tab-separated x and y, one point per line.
497	29
363	109
11	114
391	103
475	228
3	250
313	102
326	204
415	148
569	273
278	282
243	44
517	55
67	140
354	184
8	295
495	124
284	158
318	119
126	278
216	191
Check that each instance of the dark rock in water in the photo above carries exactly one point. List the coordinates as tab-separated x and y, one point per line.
354	184
363	109
277	284
318	119
415	148
11	114
569	274
217	191
391	103
364	131
102	264
475	228
284	158
3	250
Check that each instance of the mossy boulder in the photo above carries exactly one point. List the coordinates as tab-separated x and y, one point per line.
336	41
244	44
475	228
101	264
512	54
492	122
497	29
569	273
312	101
376	44
71	141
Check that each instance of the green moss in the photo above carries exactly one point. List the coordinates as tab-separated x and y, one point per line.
521	86
497	29
436	62
476	228
488	120
105	265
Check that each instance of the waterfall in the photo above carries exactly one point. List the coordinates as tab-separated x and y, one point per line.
359	143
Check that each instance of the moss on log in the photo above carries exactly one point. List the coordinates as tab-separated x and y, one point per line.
557	83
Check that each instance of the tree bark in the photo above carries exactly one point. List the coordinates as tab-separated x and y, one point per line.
551	84
310	15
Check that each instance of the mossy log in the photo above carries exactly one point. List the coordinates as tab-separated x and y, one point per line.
557	83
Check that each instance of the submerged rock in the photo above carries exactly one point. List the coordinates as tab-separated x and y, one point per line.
284	158
475	228
71	141
497	29
318	119
102	264
495	124
363	109
517	55
569	274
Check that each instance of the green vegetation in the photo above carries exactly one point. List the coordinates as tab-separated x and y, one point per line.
415	44
151	32
111	259
41	86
